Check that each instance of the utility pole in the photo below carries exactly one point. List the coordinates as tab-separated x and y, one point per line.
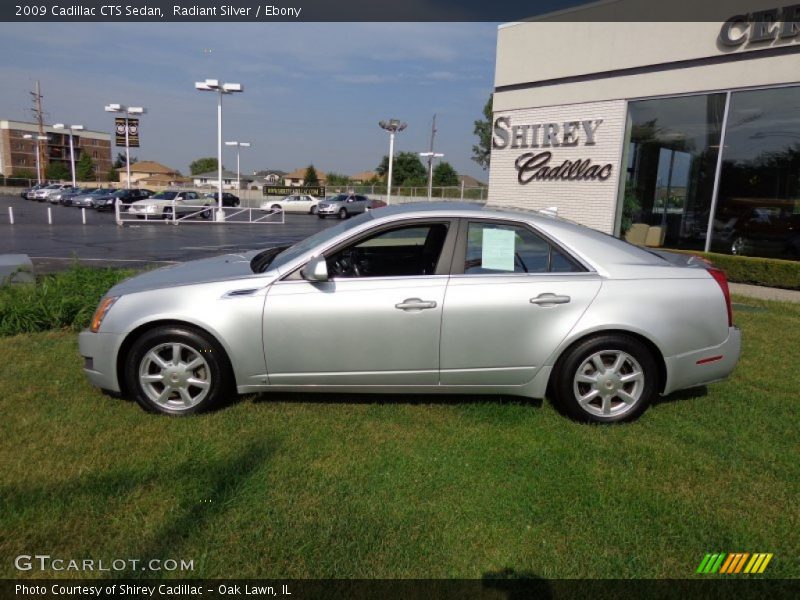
38	115
431	155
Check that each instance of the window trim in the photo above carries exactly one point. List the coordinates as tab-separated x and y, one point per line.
460	252
443	267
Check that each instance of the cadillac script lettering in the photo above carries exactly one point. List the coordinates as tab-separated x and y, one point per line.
535	166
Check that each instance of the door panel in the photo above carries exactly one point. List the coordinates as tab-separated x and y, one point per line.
350	331
492	334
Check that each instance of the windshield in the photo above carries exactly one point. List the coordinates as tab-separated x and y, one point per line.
317	239
164	196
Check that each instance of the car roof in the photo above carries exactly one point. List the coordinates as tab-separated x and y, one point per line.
594	247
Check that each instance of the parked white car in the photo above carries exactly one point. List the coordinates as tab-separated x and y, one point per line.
43	194
162	205
296	203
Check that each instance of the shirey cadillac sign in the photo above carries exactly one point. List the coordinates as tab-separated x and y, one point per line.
538	165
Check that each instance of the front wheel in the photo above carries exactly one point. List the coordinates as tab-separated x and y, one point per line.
206	214
177	371
342	213
606	379
167	214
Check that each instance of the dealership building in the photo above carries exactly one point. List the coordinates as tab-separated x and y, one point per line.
686	133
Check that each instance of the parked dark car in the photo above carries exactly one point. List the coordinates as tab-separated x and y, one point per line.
766	231
125	196
65	197
228	199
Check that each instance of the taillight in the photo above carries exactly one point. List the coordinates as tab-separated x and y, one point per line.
722	280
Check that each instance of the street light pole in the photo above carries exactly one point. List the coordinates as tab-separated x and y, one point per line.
132	110
430	156
213	85
238	169
392	126
38	139
72	128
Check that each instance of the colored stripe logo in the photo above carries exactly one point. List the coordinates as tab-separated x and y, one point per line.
734	563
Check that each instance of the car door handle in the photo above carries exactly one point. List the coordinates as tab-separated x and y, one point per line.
549	299
415	304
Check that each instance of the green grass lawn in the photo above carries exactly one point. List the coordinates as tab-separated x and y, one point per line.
384	487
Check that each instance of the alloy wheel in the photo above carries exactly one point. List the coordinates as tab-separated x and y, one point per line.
608	383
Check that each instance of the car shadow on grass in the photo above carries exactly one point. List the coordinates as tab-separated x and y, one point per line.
694	393
389	398
511	584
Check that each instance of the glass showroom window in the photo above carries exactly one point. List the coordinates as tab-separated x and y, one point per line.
671	159
758	203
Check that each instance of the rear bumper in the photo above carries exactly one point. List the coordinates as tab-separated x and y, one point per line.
99	352
704	366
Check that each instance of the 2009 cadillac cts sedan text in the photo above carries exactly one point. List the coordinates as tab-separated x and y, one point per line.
429	298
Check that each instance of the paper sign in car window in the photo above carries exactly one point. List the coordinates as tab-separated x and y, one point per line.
497	252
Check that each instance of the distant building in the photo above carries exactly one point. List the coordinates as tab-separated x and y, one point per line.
18	154
211	179
364	177
470	181
268	176
149	172
297	177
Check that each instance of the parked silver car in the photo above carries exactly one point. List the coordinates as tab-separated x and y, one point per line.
422	298
342	206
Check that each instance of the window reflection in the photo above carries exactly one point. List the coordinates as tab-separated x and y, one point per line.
758	206
672	157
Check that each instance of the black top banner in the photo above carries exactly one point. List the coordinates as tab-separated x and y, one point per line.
254	11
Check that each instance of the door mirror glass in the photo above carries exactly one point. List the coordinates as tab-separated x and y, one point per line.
315	270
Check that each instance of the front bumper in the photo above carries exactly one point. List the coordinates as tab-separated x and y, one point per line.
328	210
708	365
99	352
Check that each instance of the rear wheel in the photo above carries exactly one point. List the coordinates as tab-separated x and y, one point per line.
313	210
177	371
276	207
606	379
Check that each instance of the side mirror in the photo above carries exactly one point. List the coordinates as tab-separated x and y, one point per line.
315	270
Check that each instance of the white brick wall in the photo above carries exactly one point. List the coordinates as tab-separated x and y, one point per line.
591	203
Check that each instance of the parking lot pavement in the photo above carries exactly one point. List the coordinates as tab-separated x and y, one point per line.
102	242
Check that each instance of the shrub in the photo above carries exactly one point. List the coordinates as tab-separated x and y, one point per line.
771	272
63	300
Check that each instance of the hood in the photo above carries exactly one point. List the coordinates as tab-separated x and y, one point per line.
205	270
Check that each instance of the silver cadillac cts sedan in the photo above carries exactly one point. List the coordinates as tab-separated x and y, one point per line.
422	298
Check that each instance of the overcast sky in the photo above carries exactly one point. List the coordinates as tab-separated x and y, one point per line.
314	92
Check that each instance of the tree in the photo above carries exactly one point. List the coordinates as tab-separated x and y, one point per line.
311	177
337	179
57	171
444	174
24	174
481	152
84	168
407	169
203	165
112	175
119	162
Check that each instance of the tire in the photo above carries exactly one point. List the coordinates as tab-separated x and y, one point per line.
195	390
206	214
342	213
590	395
276	207
167	214
320	216
313	210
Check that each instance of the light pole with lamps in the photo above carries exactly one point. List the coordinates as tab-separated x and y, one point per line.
72	129
430	156
128	111
38	138
213	85
238	170
392	126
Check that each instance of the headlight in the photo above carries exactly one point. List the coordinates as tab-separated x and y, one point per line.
151	208
101	312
